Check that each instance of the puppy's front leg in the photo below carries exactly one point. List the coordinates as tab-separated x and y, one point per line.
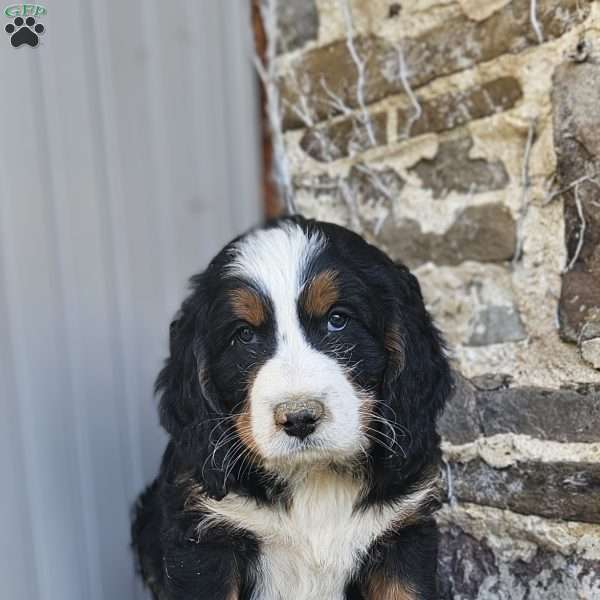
205	571
403	565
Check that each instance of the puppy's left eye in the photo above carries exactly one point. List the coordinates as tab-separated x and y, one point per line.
337	321
244	335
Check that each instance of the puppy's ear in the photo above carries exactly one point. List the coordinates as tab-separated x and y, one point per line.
189	404
417	379
178	383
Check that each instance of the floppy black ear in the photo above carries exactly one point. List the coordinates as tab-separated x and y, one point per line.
416	384
189	405
178	382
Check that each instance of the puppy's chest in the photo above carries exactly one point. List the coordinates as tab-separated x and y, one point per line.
312	549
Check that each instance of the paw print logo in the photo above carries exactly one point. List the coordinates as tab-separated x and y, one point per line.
24	32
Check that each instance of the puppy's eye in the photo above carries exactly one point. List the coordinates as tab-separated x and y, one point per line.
245	335
337	321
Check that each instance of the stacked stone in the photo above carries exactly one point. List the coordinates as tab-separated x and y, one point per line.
463	137
523	482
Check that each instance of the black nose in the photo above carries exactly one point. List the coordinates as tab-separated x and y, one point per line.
300	424
299	418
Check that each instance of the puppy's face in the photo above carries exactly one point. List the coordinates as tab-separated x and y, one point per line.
300	335
301	347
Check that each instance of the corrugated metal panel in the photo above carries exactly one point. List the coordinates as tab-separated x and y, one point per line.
129	155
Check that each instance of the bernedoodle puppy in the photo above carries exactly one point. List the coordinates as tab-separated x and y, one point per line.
301	393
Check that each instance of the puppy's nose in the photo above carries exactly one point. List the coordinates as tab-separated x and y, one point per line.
299	418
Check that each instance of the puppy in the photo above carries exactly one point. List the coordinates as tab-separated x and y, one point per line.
300	395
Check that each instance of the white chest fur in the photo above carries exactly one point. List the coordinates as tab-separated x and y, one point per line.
311	550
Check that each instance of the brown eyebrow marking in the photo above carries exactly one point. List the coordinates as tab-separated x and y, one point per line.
248	306
321	293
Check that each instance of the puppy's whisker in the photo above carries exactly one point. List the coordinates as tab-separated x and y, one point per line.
232	450
395	425
225	467
247	463
392	440
233	462
393	450
223	441
387	405
219	419
392	437
231	414
210	440
379	419
379	442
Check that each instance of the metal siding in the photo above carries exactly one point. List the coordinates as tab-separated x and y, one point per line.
129	156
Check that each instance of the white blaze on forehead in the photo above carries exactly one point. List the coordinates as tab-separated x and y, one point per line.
276	260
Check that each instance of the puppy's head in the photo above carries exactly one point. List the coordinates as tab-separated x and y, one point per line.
302	343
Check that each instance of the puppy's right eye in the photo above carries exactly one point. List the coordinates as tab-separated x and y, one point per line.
244	335
337	321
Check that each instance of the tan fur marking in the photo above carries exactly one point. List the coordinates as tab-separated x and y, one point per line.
321	294
380	588
248	306
243	424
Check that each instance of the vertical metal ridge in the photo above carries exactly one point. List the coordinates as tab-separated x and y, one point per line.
19	452
46	157
118	247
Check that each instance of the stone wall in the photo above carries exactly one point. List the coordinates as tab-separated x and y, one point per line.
463	137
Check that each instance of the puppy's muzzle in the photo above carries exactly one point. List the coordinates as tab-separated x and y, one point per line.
299	418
